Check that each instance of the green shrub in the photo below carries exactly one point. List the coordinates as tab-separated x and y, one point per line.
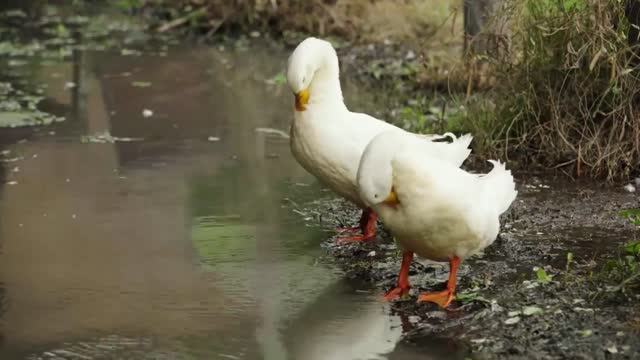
566	90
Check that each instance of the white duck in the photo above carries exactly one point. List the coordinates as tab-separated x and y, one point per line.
327	139
433	208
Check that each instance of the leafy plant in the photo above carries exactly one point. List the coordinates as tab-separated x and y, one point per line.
542	276
567	85
632	215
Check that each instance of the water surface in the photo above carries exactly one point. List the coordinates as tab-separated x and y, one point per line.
179	244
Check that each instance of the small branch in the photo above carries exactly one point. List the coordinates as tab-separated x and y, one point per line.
181	20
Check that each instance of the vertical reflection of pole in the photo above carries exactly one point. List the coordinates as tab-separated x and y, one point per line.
268	276
80	91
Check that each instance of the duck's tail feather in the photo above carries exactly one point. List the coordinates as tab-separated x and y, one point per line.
461	148
500	185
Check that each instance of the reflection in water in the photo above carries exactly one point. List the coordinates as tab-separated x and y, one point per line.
175	245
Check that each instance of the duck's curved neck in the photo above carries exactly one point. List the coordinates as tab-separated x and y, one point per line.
325	87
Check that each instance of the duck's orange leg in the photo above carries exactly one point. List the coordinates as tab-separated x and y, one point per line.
367	225
403	278
444	297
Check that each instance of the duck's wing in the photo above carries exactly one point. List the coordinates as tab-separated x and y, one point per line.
454	151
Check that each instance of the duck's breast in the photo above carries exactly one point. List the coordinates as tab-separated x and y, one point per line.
327	154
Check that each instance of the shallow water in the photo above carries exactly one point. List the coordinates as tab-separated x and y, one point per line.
177	245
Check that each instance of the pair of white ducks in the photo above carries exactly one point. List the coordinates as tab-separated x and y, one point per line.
414	184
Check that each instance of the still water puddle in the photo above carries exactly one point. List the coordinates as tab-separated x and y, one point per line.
175	244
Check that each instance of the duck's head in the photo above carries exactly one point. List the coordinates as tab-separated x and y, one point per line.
375	173
312	59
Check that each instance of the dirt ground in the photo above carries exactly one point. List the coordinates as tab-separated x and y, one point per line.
503	309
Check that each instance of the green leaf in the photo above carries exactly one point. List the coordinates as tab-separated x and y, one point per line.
632	215
542	275
633	247
278	79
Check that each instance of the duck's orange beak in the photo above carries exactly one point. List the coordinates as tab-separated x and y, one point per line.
302	98
391	199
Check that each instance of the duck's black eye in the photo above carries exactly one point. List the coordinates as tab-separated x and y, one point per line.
375	196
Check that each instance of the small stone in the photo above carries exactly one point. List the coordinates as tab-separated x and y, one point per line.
531	310
630	188
371	254
12	182
410	55
213	138
69	85
254	34
73	216
612	349
147	113
513	320
585	333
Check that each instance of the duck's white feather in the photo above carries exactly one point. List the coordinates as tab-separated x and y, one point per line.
326	138
443	211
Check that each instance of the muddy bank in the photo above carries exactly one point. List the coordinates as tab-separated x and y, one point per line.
504	307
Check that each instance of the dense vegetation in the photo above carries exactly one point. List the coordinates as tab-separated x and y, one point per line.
566	89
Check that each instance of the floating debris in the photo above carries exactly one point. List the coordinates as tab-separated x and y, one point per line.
273	131
147	113
130	52
140	84
213	138
105	137
69	85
